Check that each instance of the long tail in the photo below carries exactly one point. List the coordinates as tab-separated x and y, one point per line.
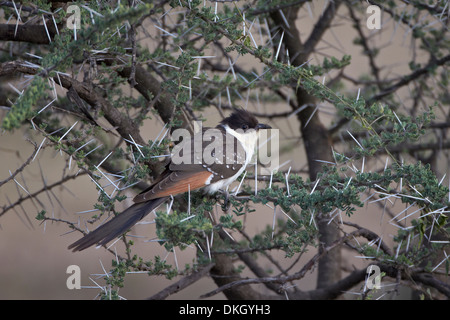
116	226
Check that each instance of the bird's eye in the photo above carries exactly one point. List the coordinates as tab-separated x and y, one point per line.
244	127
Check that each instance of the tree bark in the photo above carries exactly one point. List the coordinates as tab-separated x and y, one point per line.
317	141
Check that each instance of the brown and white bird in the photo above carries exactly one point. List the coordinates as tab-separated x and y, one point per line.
236	134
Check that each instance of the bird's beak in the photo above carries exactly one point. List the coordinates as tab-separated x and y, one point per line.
262	126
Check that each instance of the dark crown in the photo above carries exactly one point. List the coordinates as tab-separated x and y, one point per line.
240	119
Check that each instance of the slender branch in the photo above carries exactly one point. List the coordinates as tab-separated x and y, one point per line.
182	283
20	169
123	124
27	33
256	12
34	194
367	50
371	236
407	79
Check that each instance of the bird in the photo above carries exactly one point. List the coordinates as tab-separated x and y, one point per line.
237	134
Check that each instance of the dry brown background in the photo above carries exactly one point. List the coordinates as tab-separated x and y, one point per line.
34	256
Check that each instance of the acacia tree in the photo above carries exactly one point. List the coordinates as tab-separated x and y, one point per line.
82	73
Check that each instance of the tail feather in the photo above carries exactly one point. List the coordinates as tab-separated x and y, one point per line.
116	226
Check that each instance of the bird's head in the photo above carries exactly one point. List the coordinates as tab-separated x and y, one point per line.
241	119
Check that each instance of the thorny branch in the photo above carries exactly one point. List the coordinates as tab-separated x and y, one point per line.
342	285
22	167
148	85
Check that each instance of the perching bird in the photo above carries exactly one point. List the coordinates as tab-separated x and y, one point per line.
215	165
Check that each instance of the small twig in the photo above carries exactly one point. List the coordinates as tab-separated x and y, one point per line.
183	283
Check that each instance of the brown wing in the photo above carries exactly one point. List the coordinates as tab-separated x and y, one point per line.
175	183
182	177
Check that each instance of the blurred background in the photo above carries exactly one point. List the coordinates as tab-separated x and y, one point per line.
35	255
